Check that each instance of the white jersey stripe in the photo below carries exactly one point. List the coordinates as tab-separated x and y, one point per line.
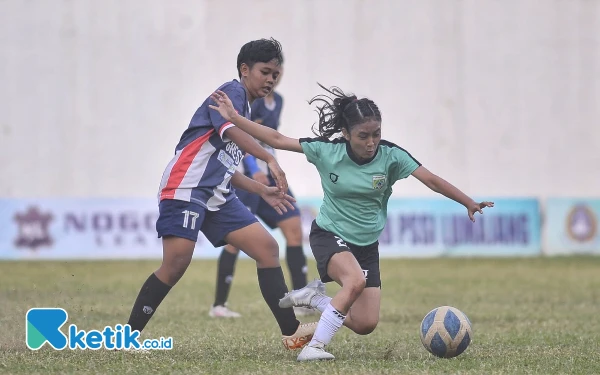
218	199
192	177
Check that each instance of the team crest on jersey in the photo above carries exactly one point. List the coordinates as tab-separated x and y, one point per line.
379	181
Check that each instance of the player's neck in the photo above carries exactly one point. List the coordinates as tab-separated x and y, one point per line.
251	98
357	159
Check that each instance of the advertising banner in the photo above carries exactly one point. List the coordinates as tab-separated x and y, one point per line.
441	227
572	226
125	229
79	229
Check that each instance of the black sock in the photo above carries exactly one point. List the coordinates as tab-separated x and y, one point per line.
151	295
273	288
226	267
296	261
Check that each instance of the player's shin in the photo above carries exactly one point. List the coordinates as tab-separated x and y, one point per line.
272	286
226	268
296	261
149	298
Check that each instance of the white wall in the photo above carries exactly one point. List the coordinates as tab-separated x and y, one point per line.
500	97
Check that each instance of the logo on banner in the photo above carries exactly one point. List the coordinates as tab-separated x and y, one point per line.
379	181
33	229
38	227
582	224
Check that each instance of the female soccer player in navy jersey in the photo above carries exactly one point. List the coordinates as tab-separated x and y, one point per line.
196	195
267	112
357	172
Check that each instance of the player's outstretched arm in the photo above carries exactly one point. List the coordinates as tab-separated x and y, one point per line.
263	133
441	186
269	194
249	145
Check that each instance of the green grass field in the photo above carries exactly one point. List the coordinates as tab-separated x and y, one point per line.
529	316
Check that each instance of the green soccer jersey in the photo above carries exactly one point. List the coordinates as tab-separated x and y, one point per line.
356	194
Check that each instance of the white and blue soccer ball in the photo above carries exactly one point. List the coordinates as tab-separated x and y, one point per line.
446	332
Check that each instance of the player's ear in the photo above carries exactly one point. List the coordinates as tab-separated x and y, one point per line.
245	70
346	134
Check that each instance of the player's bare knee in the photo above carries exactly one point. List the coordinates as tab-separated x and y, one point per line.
355	286
231	249
175	267
176	275
294	237
292	231
268	256
366	328
268	262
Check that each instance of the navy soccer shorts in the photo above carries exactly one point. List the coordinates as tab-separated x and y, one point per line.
186	219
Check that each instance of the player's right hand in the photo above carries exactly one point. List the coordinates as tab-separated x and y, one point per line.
281	203
224	105
261	177
279	176
477	207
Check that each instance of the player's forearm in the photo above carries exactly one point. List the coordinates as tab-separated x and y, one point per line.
253	148
263	133
248	144
238	180
441	186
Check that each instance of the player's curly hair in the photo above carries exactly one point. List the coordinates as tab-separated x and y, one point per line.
339	111
262	50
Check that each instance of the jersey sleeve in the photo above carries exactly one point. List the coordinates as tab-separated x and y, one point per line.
239	103
403	163
312	148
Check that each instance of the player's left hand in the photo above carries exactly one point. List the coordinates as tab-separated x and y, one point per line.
477	207
224	105
279	176
272	195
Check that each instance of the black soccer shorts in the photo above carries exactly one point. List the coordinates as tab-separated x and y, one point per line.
325	244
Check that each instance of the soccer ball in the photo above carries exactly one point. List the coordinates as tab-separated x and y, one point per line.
446	332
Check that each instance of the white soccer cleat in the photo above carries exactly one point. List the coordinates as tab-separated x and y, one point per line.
301	337
222	312
314	353
302	297
318	284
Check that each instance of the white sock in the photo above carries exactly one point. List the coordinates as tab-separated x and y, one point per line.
331	320
320	302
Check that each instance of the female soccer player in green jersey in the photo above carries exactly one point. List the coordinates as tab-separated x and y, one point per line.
357	172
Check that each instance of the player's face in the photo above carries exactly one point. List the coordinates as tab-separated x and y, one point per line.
261	79
364	139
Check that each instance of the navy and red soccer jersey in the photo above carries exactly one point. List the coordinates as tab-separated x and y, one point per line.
205	160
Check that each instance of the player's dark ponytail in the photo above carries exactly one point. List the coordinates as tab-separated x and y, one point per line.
342	111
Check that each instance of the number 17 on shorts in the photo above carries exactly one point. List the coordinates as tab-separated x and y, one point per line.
189	219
